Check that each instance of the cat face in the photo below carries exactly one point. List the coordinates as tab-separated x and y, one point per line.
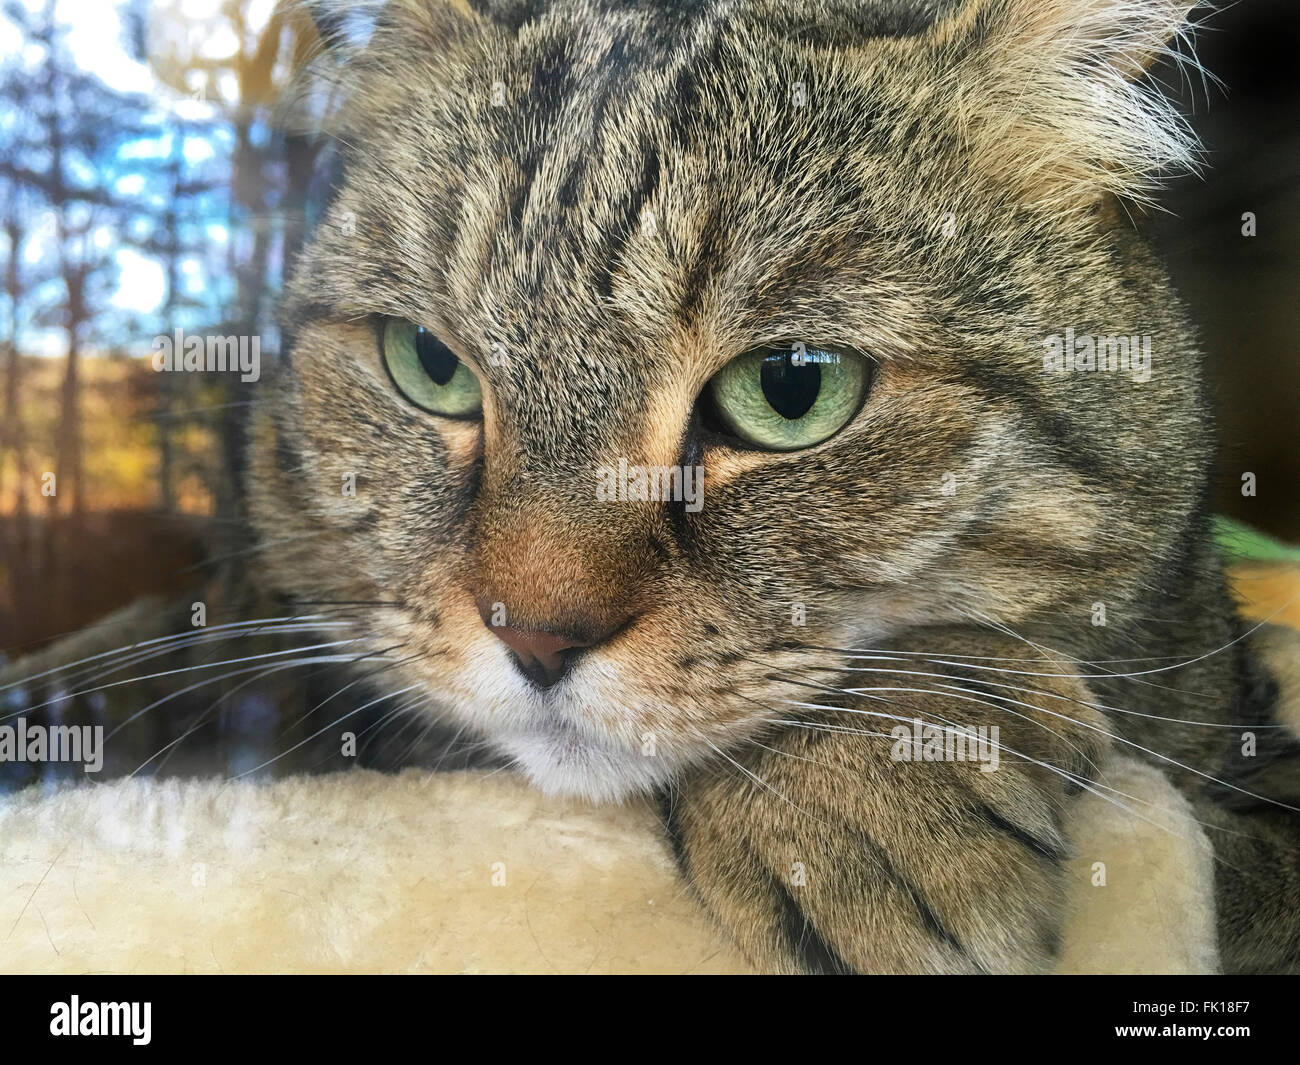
580	247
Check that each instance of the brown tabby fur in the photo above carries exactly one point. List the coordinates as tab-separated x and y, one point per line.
976	506
523	225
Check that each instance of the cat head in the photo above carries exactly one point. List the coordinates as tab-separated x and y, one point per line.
651	357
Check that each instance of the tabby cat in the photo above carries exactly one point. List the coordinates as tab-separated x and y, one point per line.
722	400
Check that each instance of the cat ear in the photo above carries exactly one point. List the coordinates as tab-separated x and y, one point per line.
331	37
1053	96
343	26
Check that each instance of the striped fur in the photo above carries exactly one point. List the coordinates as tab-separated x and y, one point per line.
933	183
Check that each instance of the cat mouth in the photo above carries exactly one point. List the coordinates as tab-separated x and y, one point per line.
559	759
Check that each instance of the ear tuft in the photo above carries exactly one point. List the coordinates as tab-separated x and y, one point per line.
344	26
342	40
1057	100
331	36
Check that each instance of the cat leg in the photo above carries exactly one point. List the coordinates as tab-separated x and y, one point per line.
828	846
1250	814
1256	883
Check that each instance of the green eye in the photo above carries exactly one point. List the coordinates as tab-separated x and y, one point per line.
428	373
783	400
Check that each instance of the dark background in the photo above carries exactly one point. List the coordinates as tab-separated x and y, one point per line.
1244	293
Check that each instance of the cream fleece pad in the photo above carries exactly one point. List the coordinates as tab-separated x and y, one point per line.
471	872
1141	881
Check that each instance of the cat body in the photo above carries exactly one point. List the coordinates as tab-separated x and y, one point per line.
587	214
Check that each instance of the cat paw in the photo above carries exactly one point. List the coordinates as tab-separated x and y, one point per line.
821	855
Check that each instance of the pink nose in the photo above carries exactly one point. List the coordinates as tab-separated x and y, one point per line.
542	654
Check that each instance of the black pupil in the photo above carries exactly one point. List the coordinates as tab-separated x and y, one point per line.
436	358
790	383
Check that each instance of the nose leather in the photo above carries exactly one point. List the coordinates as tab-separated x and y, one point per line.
542	654
545	648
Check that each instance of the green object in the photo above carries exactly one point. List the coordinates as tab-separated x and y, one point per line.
428	373
1240	543
783	400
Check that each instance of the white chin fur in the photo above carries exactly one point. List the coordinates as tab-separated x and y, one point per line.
560	764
